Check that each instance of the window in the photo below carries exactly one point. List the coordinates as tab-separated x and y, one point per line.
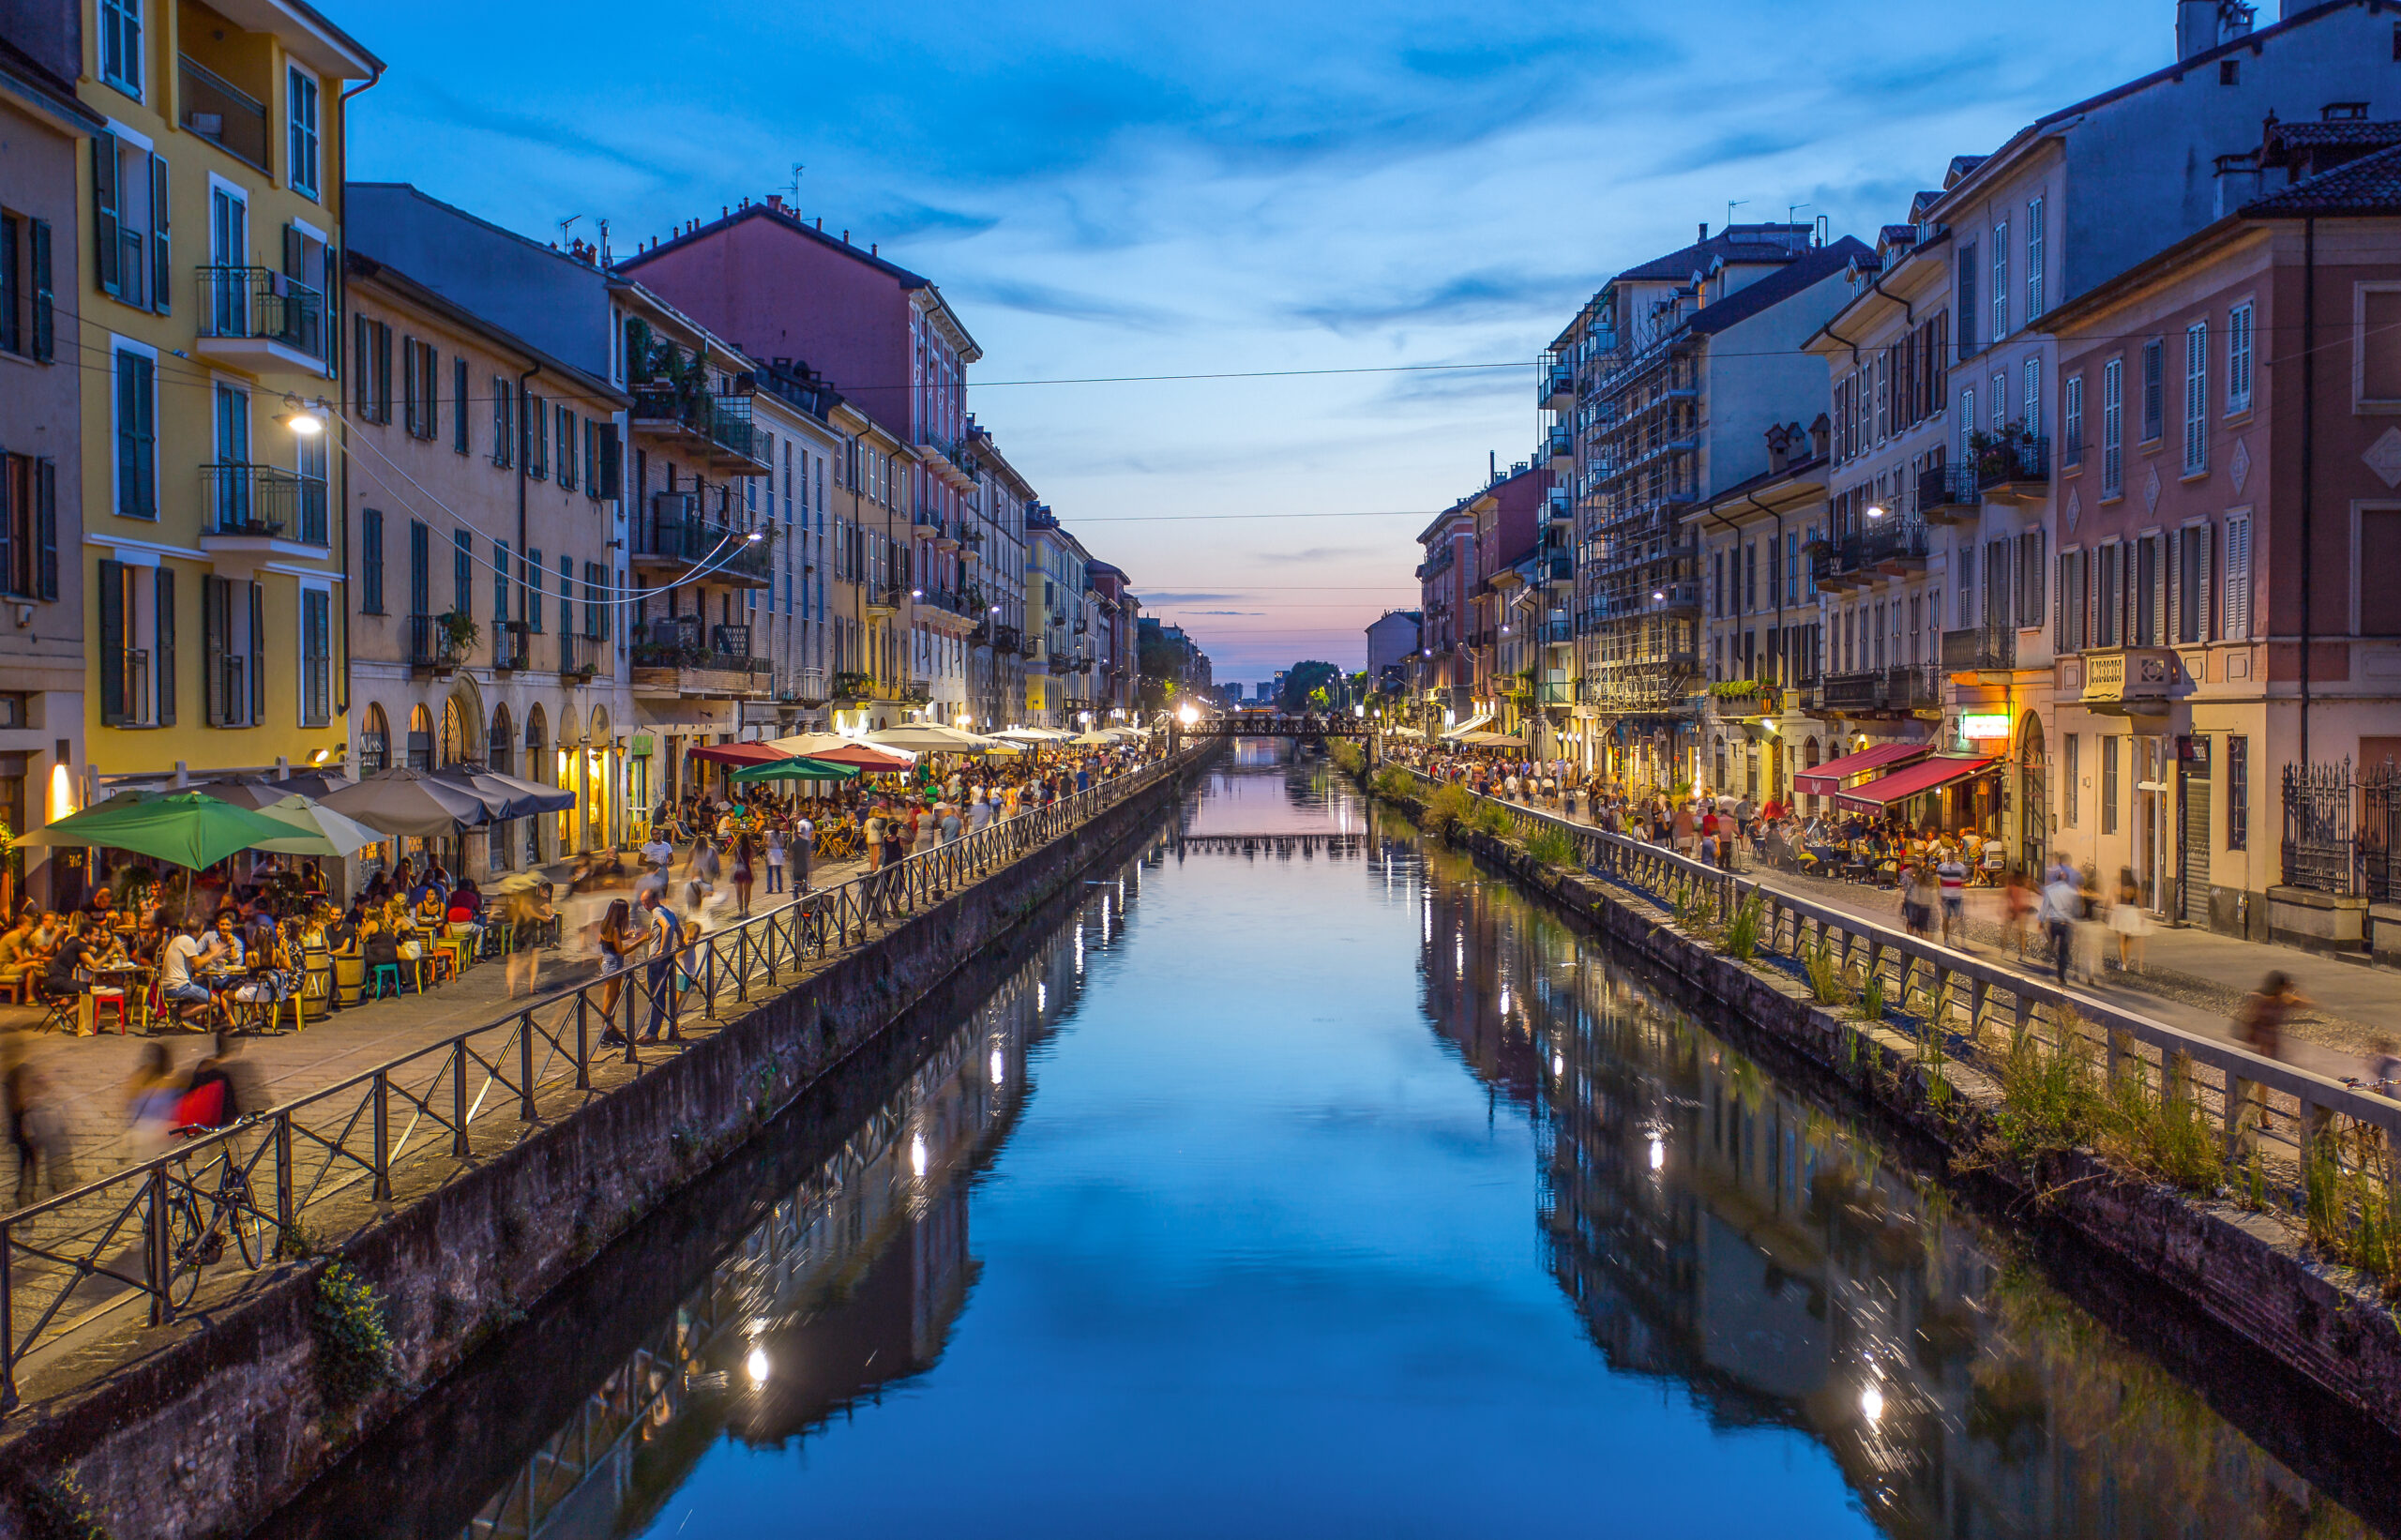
302	104
2197	397
136	408
462	573
458	405
2072	421
2154	390
2238	792
2378	342
2380	572
121	45
2230	71
2109	785
371	367
419	375
2113	427
567	595
28	526
500	584
420	568
131	255
2108	594
2000	283
2070	746
2034	261
503	421
2075	596
28	306
537	437
119	679
1966	305
595	579
567	449
531	570
2238	358
2236	582
370	562
2032	374
1968	424
316	658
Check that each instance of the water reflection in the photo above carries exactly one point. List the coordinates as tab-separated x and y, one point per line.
1717	1233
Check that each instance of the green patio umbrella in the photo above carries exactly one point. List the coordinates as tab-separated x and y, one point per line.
187	829
793	769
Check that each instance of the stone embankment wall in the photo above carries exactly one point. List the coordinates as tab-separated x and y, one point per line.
212	1431
2245	1269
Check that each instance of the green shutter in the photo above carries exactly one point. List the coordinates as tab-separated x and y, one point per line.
107	256
258	653
212	647
46	528
162	281
45	301
162	651
112	642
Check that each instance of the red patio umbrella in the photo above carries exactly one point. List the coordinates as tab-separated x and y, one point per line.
737	753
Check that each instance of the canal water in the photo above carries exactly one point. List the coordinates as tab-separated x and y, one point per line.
1311	1183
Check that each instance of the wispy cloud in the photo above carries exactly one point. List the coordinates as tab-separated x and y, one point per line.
1315	554
1069	303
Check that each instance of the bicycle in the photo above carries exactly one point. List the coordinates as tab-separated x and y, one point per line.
200	1243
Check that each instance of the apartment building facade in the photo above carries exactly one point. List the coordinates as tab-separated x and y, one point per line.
794	408
994	546
485	478
45	134
212	555
1448	573
1667	382
872	575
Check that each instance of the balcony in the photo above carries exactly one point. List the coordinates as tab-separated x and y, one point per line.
1561	505
1979	651
263	510
1557	391
1555	692
513	648
1885	692
1557	631
670	536
1005	639
221	112
2131	681
1558	569
731	640
257	317
2016	469
884	600
806	689
1947	494
714	430
579	657
435	645
1894	548
668	661
929	525
1560	442
915	692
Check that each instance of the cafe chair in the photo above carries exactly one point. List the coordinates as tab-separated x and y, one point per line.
376	977
113	999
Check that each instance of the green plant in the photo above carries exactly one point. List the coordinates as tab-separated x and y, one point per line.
294	1242
1450	805
2349	1213
2167	1137
1742	930
1825	979
1493	819
1393	783
1552	848
353	1341
58	1509
459	631
2050	1096
1728	688
1871	997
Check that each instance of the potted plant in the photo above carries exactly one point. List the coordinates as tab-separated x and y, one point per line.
459	633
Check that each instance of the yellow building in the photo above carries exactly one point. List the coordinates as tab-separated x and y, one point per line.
208	301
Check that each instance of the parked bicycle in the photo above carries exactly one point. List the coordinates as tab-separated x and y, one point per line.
198	1240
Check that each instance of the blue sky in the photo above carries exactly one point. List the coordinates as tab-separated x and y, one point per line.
1112	190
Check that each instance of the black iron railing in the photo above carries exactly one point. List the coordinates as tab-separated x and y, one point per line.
259	304
265	501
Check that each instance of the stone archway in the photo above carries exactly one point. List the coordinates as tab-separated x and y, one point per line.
2032	794
537	769
461	740
599	808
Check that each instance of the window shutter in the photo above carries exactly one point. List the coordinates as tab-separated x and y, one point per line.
458	405
2038	570
163	275
362	395
112	642
2160	634
257	670
2207	534
2173	610
212	648
107	256
46	527
8	525
162	650
45	299
296	252
609	471
408	385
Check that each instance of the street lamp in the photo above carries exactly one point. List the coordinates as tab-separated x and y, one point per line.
304	418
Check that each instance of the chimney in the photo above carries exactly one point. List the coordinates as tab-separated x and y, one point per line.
2202	25
1821	436
775	202
1704	229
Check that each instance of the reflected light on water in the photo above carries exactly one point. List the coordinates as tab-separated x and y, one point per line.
757	1367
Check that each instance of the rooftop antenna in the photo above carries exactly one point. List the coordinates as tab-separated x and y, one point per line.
1793	209
1731	205
562	224
797	168
604	243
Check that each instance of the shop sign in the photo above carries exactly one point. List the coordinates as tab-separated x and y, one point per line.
1984	724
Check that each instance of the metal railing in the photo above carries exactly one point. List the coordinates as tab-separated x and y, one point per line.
259	304
722	550
2253	1105
265	501
233	1201
223	113
1979	647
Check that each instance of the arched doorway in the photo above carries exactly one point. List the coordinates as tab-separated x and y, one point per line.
420	745
536	761
500	844
599	813
2033	796
1809	757
458	742
374	741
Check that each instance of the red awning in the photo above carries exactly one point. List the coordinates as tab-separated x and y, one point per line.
1827	779
1912	780
736	753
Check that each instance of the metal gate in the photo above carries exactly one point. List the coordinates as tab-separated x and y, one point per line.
2035	815
2193	832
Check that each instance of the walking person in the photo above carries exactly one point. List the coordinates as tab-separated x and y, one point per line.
525	916
2060	905
801	852
2127	918
664	935
774	861
615	939
1917	910
151	1095
1952	873
742	875
37	1128
2262	1022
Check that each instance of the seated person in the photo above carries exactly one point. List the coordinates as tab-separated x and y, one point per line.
187	998
17	959
224	949
378	947
431	910
75	952
342	930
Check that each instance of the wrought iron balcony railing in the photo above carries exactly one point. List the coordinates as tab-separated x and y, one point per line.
261	305
264	502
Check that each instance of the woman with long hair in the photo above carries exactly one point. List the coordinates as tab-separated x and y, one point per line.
616	939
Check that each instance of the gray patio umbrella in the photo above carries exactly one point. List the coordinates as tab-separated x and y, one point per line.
507	795
260	791
416	803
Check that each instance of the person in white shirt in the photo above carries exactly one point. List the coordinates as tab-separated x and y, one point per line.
185	995
979	811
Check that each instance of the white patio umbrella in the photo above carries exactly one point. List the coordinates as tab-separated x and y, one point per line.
316	829
929	738
1093	740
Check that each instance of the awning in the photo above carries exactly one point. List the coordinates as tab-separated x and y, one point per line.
736	753
1471	725
1912	780
1827	779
